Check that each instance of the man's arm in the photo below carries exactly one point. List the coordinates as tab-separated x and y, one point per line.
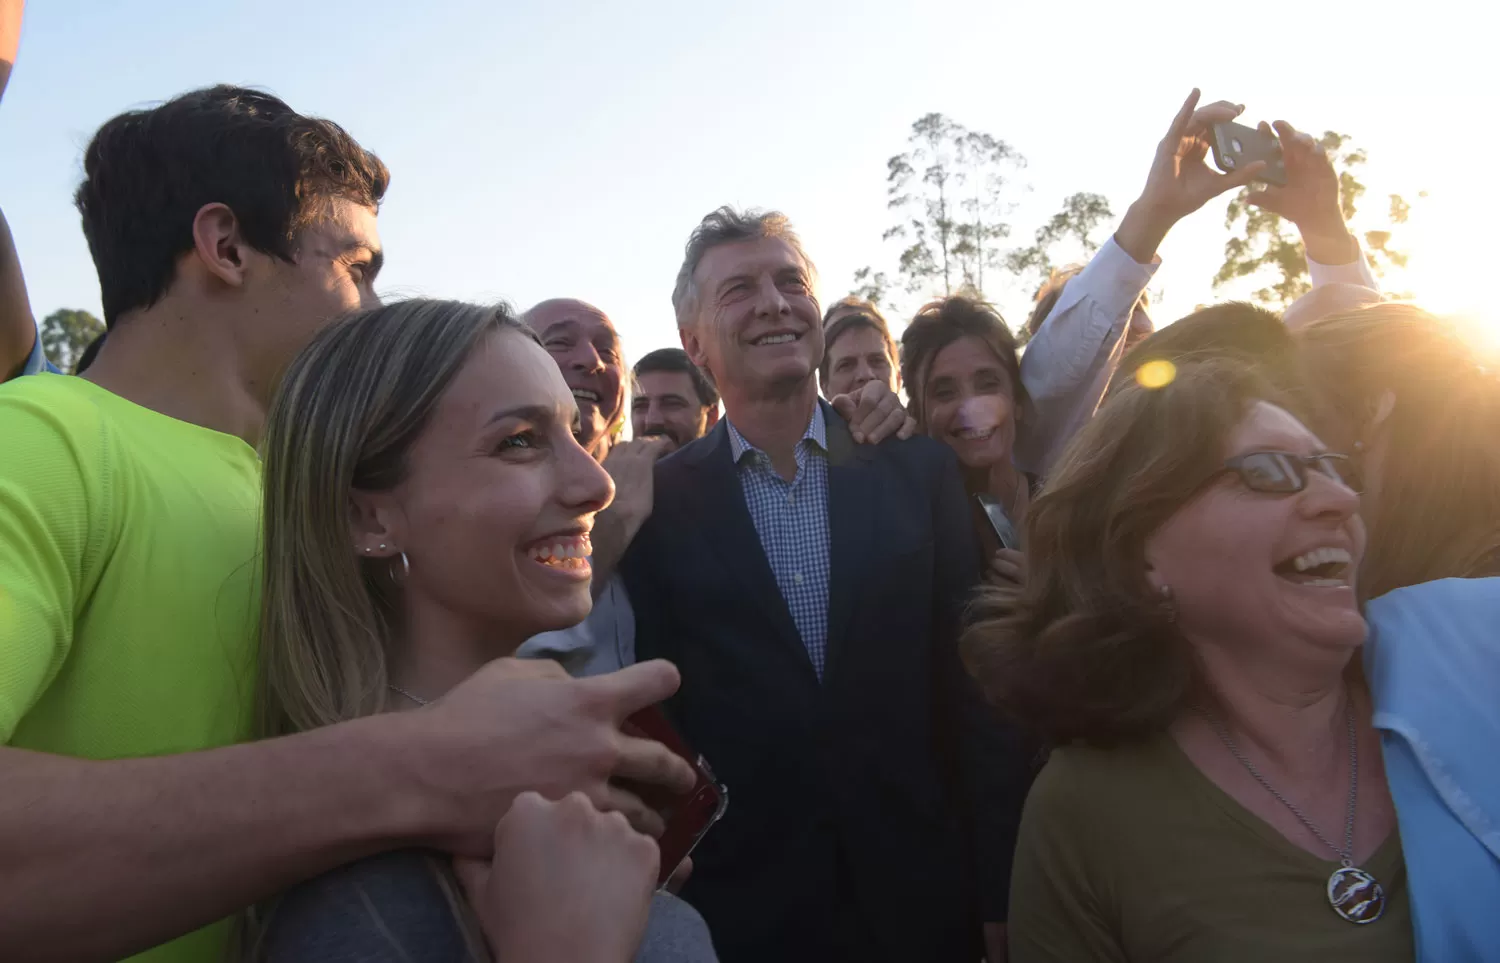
17	327
993	764
1068	365
103	859
18	334
1310	200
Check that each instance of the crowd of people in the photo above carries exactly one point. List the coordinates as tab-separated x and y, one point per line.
323	620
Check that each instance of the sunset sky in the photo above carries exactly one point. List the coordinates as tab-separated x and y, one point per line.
566	149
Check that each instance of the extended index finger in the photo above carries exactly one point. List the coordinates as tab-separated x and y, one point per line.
635	687
1184	114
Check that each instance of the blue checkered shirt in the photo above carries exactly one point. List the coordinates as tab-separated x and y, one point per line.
791	519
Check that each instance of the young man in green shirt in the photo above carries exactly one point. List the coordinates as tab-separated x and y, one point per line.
226	229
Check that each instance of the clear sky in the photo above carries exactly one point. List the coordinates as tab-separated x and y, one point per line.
566	149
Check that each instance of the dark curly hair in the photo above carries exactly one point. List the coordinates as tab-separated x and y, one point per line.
1085	652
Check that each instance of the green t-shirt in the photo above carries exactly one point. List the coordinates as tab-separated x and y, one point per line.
129	583
1132	855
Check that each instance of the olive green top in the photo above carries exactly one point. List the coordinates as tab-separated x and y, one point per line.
1132	854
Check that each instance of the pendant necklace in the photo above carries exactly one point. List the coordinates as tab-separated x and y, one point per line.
1353	893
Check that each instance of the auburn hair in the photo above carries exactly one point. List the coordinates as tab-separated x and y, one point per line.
1086	650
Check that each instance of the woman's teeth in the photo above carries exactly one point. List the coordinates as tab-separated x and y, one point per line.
776	339
1327	566
571	552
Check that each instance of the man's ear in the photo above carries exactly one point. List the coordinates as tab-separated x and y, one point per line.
218	244
711	418
377	525
693	345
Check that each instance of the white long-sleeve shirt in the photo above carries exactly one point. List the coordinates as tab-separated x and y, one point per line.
1067	366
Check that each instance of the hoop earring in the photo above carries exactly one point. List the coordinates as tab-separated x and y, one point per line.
397	577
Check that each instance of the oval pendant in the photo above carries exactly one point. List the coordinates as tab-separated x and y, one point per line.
1355	895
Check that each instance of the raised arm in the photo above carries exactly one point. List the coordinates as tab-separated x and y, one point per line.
1067	366
1310	200
18	334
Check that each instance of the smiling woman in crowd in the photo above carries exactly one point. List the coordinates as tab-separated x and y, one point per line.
427	509
1187	641
959	362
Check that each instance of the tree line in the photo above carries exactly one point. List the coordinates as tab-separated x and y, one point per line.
953	192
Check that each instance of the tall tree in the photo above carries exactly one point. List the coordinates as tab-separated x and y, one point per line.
1265	244
66	333
1080	215
949	189
870	284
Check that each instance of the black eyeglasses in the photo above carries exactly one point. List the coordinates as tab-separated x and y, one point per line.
1285	473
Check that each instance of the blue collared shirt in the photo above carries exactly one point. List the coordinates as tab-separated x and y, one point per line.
791	519
37	362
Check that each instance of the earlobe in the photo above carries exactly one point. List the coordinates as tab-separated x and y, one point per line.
375	524
218	245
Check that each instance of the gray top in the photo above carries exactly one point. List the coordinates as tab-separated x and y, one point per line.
391	909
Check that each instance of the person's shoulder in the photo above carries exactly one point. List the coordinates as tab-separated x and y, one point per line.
1086	784
918	456
389	907
44	417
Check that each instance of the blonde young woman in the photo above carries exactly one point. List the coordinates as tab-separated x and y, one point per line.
427	509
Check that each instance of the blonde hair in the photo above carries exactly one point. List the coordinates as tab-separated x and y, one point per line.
346	414
1436	511
344	419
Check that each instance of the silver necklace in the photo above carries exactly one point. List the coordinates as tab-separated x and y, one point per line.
1353	893
417	699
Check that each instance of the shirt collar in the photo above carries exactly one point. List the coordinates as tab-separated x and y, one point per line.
817	433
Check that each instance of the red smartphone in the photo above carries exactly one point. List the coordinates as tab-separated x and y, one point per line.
690	816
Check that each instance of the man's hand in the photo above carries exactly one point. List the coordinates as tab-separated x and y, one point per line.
632	467
874	414
1007	569
1180	181
522	724
1310	197
567	883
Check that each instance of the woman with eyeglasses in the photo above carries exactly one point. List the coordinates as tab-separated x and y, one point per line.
1186	641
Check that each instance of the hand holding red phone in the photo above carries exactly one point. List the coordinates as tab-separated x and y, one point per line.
687	816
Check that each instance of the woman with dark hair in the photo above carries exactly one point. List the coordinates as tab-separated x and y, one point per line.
959	363
1186	640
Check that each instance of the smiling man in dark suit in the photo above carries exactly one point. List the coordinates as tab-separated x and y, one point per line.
810	589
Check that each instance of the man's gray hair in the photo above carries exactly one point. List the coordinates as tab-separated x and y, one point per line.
725	226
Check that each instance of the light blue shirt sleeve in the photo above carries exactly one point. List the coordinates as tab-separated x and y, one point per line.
37	362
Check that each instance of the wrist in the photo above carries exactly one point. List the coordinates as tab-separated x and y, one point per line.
1331	245
406	808
1142	229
